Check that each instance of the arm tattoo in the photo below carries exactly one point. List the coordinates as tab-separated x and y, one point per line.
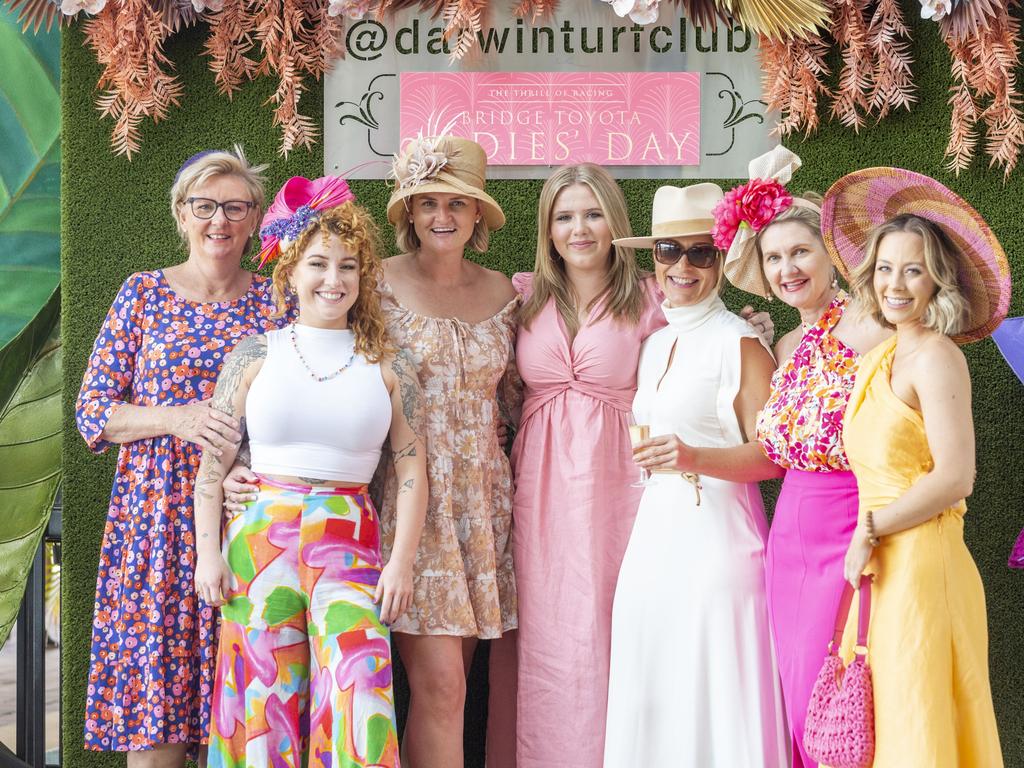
312	480
249	350
242	455
409	388
408	485
405	453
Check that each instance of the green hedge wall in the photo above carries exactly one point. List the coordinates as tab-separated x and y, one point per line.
116	220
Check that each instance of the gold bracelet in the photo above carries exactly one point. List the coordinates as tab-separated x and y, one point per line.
869	524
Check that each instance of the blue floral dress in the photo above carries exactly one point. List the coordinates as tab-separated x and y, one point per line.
151	669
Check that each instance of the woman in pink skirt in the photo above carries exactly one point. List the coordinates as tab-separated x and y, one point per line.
800	427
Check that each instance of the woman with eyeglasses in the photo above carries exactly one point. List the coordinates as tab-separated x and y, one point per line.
693	680
147	387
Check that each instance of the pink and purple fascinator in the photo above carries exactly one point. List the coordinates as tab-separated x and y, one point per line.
296	206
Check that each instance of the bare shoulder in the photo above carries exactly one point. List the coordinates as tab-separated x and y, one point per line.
860	330
396	267
493	283
753	351
785	346
939	358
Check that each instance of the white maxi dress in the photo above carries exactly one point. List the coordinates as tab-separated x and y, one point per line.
693	681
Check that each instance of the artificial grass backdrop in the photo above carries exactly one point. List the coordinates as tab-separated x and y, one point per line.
116	220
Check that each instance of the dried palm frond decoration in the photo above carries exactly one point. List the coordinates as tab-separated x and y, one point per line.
983	38
850	30
794	81
127	37
888	40
291	40
778	20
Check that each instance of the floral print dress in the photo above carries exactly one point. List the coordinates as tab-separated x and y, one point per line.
464	584
151	668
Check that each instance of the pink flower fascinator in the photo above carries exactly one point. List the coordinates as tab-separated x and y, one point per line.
296	206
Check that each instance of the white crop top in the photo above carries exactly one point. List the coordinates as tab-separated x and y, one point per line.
332	430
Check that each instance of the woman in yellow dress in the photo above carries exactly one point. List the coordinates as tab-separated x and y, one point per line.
930	268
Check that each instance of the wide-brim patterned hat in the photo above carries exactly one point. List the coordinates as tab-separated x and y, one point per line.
866	199
448	164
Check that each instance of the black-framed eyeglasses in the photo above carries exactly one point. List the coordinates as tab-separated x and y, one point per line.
205	208
701	255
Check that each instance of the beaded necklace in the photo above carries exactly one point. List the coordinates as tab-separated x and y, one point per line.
328	377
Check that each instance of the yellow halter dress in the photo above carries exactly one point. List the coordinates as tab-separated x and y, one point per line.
928	641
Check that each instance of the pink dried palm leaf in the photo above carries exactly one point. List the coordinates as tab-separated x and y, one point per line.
970	18
889	41
534	10
127	37
177	14
279	28
37	14
850	30
230	41
963	133
462	20
984	67
794	81
320	37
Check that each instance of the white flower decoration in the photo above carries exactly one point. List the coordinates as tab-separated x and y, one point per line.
639	11
936	10
421	162
352	9
72	7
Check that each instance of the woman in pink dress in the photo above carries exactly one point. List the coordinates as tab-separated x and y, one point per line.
587	308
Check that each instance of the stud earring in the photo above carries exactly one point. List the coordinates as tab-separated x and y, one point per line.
835	279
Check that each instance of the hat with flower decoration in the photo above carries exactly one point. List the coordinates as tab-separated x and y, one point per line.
863	200
749	208
448	164
296	206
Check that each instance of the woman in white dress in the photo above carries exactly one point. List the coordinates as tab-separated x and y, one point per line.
693	678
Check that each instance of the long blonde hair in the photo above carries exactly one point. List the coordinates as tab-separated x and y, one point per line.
624	292
355	229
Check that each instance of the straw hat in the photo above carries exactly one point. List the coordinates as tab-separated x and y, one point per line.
678	212
742	266
448	164
863	200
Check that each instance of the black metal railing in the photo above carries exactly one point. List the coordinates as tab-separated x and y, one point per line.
30	744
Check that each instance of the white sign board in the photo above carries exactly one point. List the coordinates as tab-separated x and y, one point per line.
362	95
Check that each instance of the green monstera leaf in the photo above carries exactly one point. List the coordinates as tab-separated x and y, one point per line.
29	172
30	442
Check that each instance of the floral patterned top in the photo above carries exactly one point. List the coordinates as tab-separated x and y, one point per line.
801	425
464	584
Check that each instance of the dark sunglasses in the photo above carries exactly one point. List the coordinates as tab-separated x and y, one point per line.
701	256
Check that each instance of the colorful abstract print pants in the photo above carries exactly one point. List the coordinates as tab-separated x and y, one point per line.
304	663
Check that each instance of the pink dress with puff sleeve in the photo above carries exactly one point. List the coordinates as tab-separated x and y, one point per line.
573	511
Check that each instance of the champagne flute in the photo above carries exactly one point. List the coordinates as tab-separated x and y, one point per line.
637	434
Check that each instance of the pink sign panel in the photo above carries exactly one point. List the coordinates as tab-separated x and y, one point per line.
555	118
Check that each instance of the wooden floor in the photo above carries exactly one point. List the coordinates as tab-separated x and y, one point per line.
8	693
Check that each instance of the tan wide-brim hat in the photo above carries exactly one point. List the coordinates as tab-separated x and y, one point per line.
679	212
448	164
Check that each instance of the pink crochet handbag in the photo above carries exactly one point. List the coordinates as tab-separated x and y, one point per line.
840	727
